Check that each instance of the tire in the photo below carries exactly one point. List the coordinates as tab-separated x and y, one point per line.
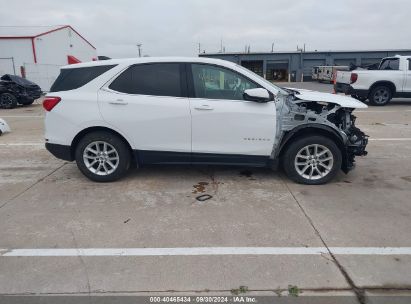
8	101
296	157
105	167
380	95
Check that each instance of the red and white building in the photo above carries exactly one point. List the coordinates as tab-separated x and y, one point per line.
37	52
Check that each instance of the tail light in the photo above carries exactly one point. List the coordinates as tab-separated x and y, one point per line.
353	78
50	102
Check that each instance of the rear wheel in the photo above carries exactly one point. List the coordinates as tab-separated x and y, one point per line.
102	156
8	101
312	160
380	96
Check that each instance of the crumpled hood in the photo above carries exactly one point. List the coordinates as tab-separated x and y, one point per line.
342	100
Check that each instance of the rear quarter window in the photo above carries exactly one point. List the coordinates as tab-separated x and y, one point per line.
70	79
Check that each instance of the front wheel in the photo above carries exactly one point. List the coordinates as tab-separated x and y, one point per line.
102	156
8	101
312	160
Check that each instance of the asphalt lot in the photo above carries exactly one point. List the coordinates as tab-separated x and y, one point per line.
46	203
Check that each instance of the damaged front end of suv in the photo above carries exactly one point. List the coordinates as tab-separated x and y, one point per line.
303	112
16	90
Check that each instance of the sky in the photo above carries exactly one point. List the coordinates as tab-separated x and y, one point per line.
176	27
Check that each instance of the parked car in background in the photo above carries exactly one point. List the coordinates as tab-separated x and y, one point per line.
110	115
391	79
16	90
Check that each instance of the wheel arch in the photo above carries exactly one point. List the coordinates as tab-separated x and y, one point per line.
314	129
386	83
88	130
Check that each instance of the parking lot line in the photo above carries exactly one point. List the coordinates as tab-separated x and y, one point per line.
22	144
381	111
390	139
192	251
23	116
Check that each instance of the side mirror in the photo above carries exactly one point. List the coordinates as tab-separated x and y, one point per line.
258	95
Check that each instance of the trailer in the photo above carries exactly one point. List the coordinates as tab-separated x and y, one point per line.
327	73
314	73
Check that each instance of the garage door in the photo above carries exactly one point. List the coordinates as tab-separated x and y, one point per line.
277	70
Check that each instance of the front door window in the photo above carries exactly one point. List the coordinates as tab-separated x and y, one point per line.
212	82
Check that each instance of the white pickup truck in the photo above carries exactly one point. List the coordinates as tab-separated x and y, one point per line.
391	79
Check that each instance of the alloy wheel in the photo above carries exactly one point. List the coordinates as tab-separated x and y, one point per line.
381	96
314	162
101	158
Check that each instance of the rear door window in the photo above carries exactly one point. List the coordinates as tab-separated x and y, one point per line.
70	79
157	79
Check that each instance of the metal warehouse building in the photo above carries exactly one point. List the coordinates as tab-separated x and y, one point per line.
295	66
38	52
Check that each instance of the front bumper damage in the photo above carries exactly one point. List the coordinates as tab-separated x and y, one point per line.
356	144
298	115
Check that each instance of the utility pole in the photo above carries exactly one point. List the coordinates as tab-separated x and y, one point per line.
272	47
139	49
199	47
301	50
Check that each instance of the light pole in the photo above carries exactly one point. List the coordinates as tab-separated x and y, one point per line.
139	49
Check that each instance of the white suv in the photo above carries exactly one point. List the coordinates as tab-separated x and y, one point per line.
111	115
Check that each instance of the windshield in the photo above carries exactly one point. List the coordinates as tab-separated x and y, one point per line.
277	88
